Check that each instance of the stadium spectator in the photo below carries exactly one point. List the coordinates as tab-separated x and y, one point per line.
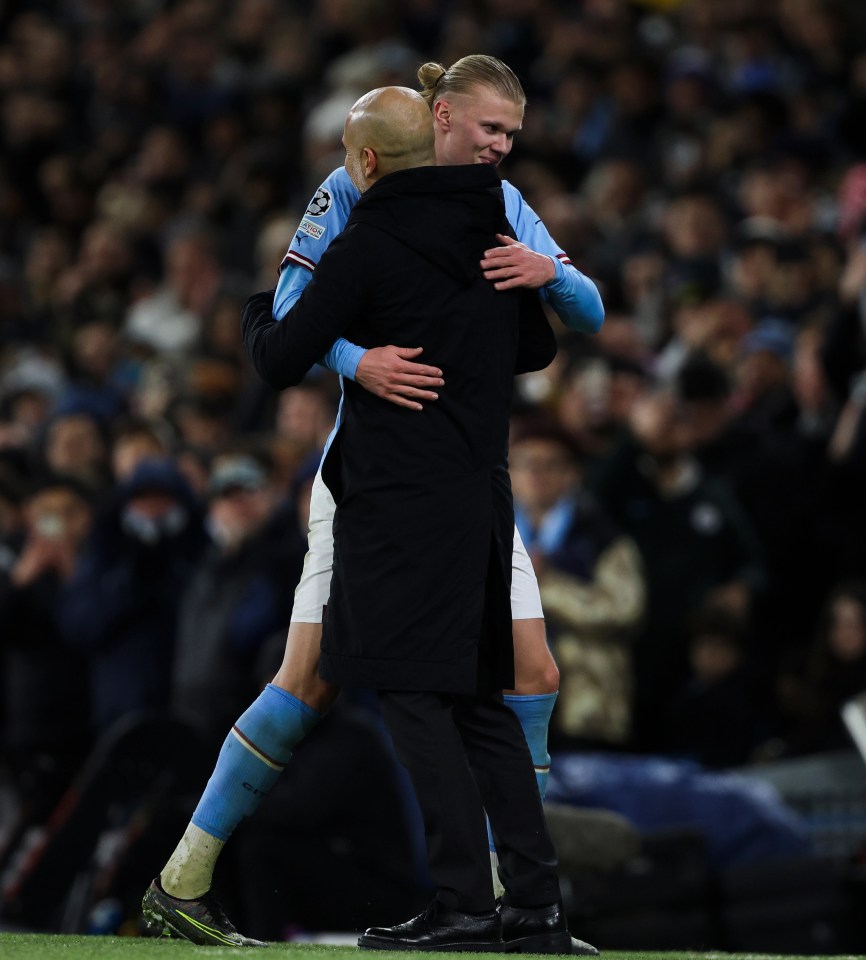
594	397
721	717
46	730
121	610
305	416
813	687
134	440
238	597
169	321
695	542
591	582
75	443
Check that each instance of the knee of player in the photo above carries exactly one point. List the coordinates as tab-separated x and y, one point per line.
537	678
545	673
549	678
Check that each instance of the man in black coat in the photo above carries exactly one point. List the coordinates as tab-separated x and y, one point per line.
423	531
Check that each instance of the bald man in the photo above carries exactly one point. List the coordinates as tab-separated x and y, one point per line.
419	607
387	130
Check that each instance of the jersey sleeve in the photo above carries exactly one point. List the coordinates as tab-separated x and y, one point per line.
572	295
282	351
326	216
323	220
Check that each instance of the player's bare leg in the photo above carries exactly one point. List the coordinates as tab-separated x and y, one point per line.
535	670
297	697
299	671
179	901
536	677
261	742
536	684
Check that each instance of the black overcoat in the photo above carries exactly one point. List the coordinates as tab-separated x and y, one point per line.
423	530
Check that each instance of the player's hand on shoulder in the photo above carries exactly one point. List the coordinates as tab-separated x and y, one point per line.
393	374
515	265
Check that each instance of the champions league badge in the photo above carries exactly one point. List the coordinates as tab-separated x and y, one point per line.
320	204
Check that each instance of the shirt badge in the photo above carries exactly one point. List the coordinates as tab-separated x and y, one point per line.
320	204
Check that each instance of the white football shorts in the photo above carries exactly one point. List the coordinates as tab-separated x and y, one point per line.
314	587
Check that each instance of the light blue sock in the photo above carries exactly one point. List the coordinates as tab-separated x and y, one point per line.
534	712
252	757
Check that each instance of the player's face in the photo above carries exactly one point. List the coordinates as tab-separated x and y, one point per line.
477	127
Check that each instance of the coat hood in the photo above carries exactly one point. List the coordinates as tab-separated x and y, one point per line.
448	215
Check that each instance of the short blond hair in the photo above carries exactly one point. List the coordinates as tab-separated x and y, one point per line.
477	69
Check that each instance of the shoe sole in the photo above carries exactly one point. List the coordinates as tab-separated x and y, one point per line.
483	946
540	943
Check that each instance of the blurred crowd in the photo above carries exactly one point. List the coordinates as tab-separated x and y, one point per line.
691	482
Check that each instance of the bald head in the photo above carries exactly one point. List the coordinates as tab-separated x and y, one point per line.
388	129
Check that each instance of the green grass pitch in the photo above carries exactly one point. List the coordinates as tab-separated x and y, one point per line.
29	946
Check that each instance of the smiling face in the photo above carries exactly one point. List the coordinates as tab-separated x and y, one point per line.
476	127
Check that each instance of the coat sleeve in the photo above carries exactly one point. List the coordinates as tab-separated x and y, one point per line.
537	345
282	351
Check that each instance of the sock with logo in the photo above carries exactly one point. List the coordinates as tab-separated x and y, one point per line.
252	757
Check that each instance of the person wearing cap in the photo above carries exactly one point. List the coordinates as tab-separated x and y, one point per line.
121	609
419	606
238	596
763	374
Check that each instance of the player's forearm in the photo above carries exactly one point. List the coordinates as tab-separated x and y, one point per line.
575	299
290	286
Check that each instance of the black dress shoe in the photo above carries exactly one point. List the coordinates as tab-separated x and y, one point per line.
540	930
438	928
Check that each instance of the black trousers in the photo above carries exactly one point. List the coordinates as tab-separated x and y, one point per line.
467	755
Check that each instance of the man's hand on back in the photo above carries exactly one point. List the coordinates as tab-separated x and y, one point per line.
392	373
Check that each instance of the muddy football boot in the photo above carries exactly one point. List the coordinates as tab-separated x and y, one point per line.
202	920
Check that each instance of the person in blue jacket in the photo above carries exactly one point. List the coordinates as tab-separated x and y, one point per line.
477	107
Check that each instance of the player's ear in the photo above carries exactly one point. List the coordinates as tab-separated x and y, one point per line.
442	115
